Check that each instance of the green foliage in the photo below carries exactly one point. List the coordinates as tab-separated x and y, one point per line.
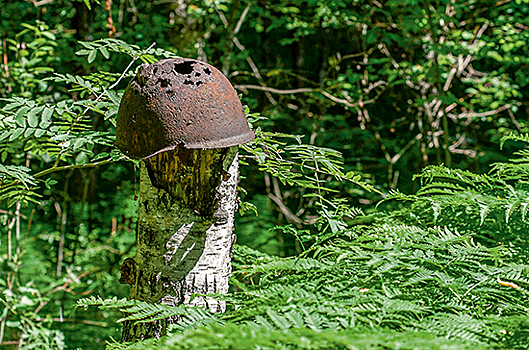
249	336
388	275
493	206
26	73
383	92
142	312
280	160
105	46
368	287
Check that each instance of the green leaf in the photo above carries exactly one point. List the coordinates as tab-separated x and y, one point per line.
50	182
49	35
20	117
45	122
467	35
87	3
39	133
83	52
18	102
104	52
495	55
16	134
29	132
4	135
33	119
81	158
92	56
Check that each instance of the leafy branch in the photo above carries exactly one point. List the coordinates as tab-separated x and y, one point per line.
280	160
62	130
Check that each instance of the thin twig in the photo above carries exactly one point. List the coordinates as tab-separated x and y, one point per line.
67	167
436	41
28	228
2	327
345	102
290	216
484	114
255	70
304	90
41	3
241	20
6	66
237	43
518	126
397	156
90	322
360	54
18	206
134	59
276	91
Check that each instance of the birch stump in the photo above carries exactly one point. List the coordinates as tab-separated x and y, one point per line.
185	236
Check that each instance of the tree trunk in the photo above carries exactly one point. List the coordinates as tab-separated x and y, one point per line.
184	233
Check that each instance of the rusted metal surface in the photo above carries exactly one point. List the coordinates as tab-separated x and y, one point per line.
179	102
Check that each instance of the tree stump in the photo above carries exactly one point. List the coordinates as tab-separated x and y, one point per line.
184	235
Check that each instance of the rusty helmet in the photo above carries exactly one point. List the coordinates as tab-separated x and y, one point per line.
179	101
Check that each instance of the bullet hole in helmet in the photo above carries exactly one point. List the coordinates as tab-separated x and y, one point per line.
184	67
164	82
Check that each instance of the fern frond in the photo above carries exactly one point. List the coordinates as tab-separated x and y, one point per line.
113	303
255	336
514	137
